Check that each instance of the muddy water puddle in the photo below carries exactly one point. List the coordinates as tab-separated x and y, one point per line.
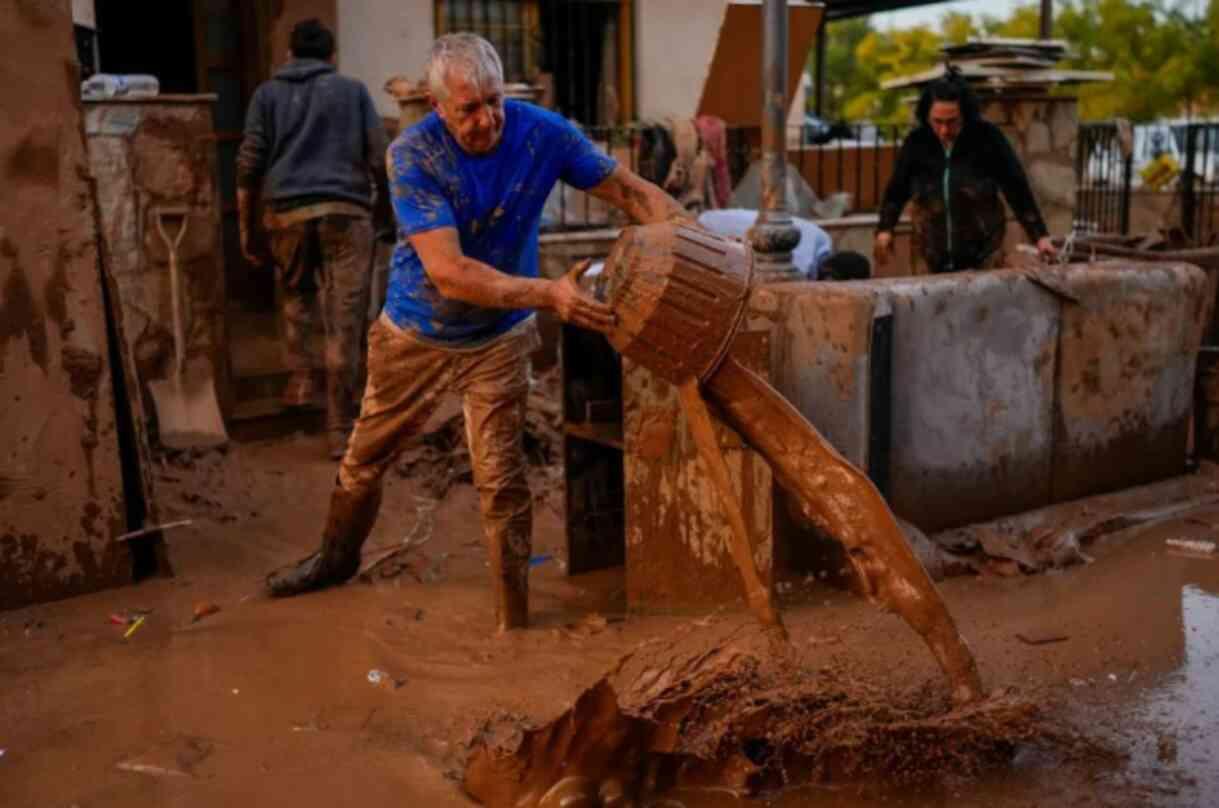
1161	712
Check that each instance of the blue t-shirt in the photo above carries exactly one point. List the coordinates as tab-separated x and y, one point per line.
494	201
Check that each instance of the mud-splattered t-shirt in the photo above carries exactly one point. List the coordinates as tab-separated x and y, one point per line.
494	201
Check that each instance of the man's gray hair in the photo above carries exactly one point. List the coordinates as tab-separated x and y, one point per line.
467	55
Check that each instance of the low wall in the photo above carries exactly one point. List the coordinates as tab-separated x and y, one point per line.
1005	390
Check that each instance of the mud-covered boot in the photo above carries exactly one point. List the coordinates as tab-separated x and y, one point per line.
348	524
511	582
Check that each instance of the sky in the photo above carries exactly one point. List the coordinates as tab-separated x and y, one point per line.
930	15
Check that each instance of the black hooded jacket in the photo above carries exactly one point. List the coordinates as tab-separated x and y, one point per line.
312	135
959	220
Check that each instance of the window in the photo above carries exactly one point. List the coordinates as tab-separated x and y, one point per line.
579	51
510	25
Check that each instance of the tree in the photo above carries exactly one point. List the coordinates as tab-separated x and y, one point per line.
1164	56
1163	59
844	80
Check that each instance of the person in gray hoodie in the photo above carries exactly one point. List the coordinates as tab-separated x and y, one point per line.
314	151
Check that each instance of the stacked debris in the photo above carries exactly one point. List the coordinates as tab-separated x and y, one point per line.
995	65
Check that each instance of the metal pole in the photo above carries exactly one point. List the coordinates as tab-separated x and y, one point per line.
774	237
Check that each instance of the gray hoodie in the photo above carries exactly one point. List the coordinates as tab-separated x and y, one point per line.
312	135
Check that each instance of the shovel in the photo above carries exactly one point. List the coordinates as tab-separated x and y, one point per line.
187	413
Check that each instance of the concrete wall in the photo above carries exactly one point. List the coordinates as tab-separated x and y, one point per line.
83	13
1043	131
62	495
1008	391
383	38
674	43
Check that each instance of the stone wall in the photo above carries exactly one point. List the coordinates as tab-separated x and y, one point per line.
1043	130
146	156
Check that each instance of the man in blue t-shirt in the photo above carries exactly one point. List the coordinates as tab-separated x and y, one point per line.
468	184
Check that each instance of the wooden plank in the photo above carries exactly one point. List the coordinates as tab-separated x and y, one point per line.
733	90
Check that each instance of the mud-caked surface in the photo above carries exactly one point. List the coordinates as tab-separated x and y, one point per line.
728	705
222	696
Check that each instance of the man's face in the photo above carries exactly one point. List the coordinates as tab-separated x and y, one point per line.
473	114
945	120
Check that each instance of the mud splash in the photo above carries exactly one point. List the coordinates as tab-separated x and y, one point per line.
725	708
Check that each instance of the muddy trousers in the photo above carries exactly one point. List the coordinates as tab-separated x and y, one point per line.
326	261
407	379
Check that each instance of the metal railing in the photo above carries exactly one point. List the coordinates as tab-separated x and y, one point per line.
1117	165
855	160
1200	183
1103	179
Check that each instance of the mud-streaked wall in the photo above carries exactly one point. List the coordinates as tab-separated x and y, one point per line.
147	155
61	490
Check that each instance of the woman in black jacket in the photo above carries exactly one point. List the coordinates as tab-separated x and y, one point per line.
953	167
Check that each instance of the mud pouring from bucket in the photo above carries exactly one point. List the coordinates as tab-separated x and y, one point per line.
679	295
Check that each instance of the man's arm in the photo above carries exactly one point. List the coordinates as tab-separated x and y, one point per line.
644	202
251	167
459	277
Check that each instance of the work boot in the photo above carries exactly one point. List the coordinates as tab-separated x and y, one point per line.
348	524
298	392
510	579
512	601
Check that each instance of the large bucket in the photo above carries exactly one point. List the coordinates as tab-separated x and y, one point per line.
679	294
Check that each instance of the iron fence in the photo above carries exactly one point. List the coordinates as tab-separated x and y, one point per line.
1119	167
1103	170
847	164
1200	182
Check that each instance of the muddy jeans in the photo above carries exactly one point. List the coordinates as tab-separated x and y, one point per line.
407	379
326	258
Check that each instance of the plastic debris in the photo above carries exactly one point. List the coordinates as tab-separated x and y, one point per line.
134	627
146	768
1191	545
380	678
204	609
537	561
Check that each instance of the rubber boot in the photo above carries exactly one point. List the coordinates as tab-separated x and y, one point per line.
348	524
511	583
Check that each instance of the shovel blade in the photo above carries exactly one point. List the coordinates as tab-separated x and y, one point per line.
187	414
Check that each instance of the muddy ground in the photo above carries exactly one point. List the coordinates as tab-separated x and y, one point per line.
270	702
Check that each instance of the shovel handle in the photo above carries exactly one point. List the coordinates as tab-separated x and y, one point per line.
171	245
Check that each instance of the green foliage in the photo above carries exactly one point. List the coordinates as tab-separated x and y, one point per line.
1164	55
